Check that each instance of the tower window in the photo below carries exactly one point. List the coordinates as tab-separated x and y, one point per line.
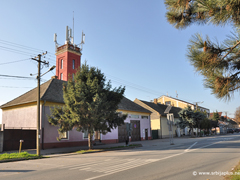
168	103
61	63
61	77
73	62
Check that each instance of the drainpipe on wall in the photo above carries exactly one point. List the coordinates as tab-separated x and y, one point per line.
43	122
161	124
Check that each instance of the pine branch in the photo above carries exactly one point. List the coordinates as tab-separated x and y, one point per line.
231	49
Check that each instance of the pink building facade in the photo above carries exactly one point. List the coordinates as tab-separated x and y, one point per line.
19	117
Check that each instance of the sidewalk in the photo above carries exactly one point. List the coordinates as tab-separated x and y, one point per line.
164	143
68	150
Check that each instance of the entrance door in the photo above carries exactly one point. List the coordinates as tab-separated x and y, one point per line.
146	134
122	133
135	130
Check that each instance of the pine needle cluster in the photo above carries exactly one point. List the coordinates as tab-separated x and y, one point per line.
218	63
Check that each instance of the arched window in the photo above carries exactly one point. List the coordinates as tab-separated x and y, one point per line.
73	62
61	63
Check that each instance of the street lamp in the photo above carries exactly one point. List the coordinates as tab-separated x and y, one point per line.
38	109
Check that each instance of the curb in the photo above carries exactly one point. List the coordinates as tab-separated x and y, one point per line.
69	154
19	159
103	150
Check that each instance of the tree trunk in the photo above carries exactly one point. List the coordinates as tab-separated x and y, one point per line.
192	132
199	129
90	145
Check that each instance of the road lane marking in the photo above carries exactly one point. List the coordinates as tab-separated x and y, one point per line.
106	168
191	146
144	163
102	163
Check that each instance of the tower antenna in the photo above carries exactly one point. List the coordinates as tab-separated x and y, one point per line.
73	29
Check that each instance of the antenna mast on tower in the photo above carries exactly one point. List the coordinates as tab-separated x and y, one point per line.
73	29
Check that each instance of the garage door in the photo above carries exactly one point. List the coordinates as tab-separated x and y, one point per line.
13	136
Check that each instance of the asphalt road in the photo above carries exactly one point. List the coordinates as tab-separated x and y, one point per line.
189	158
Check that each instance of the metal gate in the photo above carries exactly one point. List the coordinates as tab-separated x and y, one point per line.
155	134
13	136
135	136
122	133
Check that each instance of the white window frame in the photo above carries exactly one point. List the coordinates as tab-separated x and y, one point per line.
144	117
134	116
84	135
66	135
61	76
168	103
61	63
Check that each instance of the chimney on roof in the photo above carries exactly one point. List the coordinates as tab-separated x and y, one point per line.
155	101
54	77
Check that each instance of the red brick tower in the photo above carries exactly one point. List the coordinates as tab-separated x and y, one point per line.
68	57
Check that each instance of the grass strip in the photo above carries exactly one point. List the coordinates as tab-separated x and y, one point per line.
89	150
109	148
116	147
235	173
22	155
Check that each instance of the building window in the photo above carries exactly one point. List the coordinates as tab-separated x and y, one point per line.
144	117
73	77
168	103
85	134
61	63
134	116
73	62
61	76
63	135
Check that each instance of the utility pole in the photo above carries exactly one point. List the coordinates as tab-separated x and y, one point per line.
38	59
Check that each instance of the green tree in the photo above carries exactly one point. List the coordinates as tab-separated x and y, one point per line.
216	116
198	117
206	125
90	104
190	118
218	63
186	119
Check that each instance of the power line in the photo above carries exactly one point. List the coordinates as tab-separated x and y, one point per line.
24	77
14	61
15	51
15	44
14	87
23	46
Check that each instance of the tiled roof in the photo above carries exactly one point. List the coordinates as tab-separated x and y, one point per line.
211	115
51	91
129	105
160	108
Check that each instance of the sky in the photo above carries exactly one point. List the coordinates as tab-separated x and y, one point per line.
131	42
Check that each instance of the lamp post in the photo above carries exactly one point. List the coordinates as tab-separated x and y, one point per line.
38	107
